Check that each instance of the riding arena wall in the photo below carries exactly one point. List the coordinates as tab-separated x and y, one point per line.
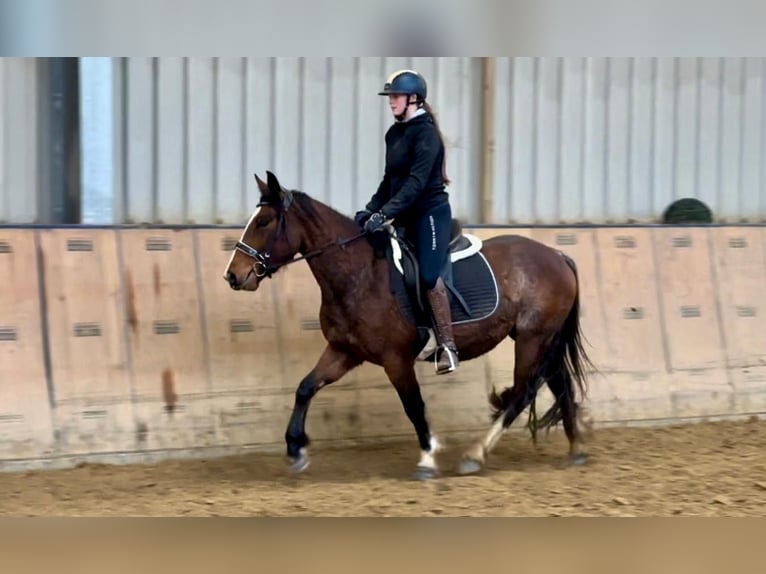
126	344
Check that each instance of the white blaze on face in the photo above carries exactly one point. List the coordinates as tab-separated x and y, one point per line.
241	238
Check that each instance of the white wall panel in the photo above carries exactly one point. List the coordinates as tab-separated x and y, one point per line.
618	139
575	139
198	128
18	140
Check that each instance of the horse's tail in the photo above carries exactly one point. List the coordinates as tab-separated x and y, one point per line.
576	358
566	353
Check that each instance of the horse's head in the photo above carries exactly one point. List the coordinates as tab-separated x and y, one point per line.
265	241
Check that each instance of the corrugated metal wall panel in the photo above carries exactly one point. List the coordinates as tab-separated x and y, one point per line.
197	129
618	139
18	140
575	139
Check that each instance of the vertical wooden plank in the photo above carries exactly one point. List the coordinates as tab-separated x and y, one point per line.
171	133
635	369
580	245
25	417
165	312
140	152
167	344
740	275
230	171
85	313
200	141
693	331
247	396
89	362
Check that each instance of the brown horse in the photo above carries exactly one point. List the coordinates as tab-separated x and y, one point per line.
533	298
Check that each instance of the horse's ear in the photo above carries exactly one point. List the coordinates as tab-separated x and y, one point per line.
274	186
262	185
276	190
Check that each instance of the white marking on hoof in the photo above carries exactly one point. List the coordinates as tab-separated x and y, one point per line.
300	463
472	460
426	473
427	457
427	460
469	466
427	467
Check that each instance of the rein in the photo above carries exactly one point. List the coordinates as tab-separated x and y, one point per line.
263	268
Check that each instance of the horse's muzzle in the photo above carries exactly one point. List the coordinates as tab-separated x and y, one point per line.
249	283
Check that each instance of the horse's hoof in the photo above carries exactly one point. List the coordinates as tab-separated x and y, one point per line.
425	473
469	466
299	464
579	459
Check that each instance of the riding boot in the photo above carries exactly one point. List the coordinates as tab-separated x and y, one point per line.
448	359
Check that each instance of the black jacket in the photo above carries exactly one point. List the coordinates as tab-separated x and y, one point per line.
412	182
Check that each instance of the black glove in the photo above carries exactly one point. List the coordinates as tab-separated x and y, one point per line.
362	216
374	222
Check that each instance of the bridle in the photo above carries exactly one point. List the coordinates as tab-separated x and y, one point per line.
262	266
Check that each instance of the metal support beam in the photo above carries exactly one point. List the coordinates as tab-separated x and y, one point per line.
59	191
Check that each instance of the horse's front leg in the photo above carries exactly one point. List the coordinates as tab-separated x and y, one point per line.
332	365
402	375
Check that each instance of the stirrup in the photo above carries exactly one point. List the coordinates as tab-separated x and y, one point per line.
451	358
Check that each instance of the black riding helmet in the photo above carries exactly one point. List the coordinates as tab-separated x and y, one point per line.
406	82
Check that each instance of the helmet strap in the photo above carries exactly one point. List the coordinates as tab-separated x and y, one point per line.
418	102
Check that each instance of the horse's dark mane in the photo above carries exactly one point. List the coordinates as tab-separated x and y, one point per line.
308	205
305	203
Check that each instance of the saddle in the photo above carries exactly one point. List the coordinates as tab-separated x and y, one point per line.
471	285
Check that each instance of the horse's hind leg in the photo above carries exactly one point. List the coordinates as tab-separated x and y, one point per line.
402	376
526	382
565	409
332	365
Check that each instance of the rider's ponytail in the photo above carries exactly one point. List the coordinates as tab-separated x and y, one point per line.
429	109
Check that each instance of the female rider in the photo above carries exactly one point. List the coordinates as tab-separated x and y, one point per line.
412	194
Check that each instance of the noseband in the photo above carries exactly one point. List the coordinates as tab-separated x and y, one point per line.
262	266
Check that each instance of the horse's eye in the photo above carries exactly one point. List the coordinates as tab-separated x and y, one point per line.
262	222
